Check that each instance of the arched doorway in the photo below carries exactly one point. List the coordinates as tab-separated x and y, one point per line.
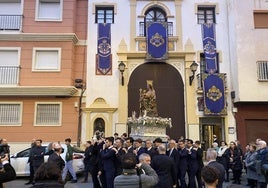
169	89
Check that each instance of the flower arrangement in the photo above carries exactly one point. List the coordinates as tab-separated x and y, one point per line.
153	121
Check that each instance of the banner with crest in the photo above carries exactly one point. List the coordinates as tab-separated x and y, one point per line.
214	94
209	45
157	40
104	56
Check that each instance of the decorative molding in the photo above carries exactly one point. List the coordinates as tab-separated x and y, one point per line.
59	37
61	91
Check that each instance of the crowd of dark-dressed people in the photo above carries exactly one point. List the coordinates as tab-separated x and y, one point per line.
126	162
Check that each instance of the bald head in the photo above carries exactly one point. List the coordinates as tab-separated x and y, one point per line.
211	154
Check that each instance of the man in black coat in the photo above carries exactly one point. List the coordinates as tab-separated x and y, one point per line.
165	168
192	163
119	155
55	157
8	173
108	157
183	163
199	152
149	148
211	158
87	163
37	155
129	144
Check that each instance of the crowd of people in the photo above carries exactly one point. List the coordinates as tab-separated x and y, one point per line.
177	163
124	162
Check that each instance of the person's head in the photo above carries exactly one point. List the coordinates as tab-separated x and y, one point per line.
88	143
68	141
190	143
119	142
214	137
172	143
214	144
145	158
148	143
129	161
38	142
181	144
252	147
262	144
197	143
3	141
157	142
210	176
211	154
57	148
124	136
115	135
129	141
162	149
138	143
48	171
223	143
232	144
109	141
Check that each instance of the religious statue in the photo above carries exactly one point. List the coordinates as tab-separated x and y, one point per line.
148	106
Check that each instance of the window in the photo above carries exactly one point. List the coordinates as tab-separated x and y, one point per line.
48	114
156	15
104	15
49	10
10	15
206	15
10	113
9	65
260	19
46	59
262	67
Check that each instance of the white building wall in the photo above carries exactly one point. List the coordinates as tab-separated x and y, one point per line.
248	46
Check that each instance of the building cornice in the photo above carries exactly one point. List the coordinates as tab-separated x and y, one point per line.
57	91
51	37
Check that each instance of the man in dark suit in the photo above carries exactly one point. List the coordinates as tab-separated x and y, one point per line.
211	158
199	152
149	148
183	163
119	155
172	152
108	157
129	144
192	163
165	169
138	148
38	153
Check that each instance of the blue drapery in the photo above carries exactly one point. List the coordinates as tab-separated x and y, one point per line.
156	40
104	57
209	45
214	94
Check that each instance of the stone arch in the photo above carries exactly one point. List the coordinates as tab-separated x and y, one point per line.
156	4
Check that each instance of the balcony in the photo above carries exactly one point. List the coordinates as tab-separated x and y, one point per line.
9	75
142	29
11	22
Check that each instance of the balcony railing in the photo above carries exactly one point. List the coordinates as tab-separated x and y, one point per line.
11	22
9	75
142	29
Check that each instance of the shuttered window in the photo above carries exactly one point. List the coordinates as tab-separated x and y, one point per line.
10	114
48	114
262	67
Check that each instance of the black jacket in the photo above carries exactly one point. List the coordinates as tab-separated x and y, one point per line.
7	174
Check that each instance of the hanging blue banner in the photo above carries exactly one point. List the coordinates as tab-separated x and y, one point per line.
157	40
209	45
104	57
214	94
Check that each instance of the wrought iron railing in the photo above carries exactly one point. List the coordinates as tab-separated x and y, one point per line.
142	29
9	75
11	22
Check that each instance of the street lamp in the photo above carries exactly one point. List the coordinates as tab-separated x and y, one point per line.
193	68
79	85
121	68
